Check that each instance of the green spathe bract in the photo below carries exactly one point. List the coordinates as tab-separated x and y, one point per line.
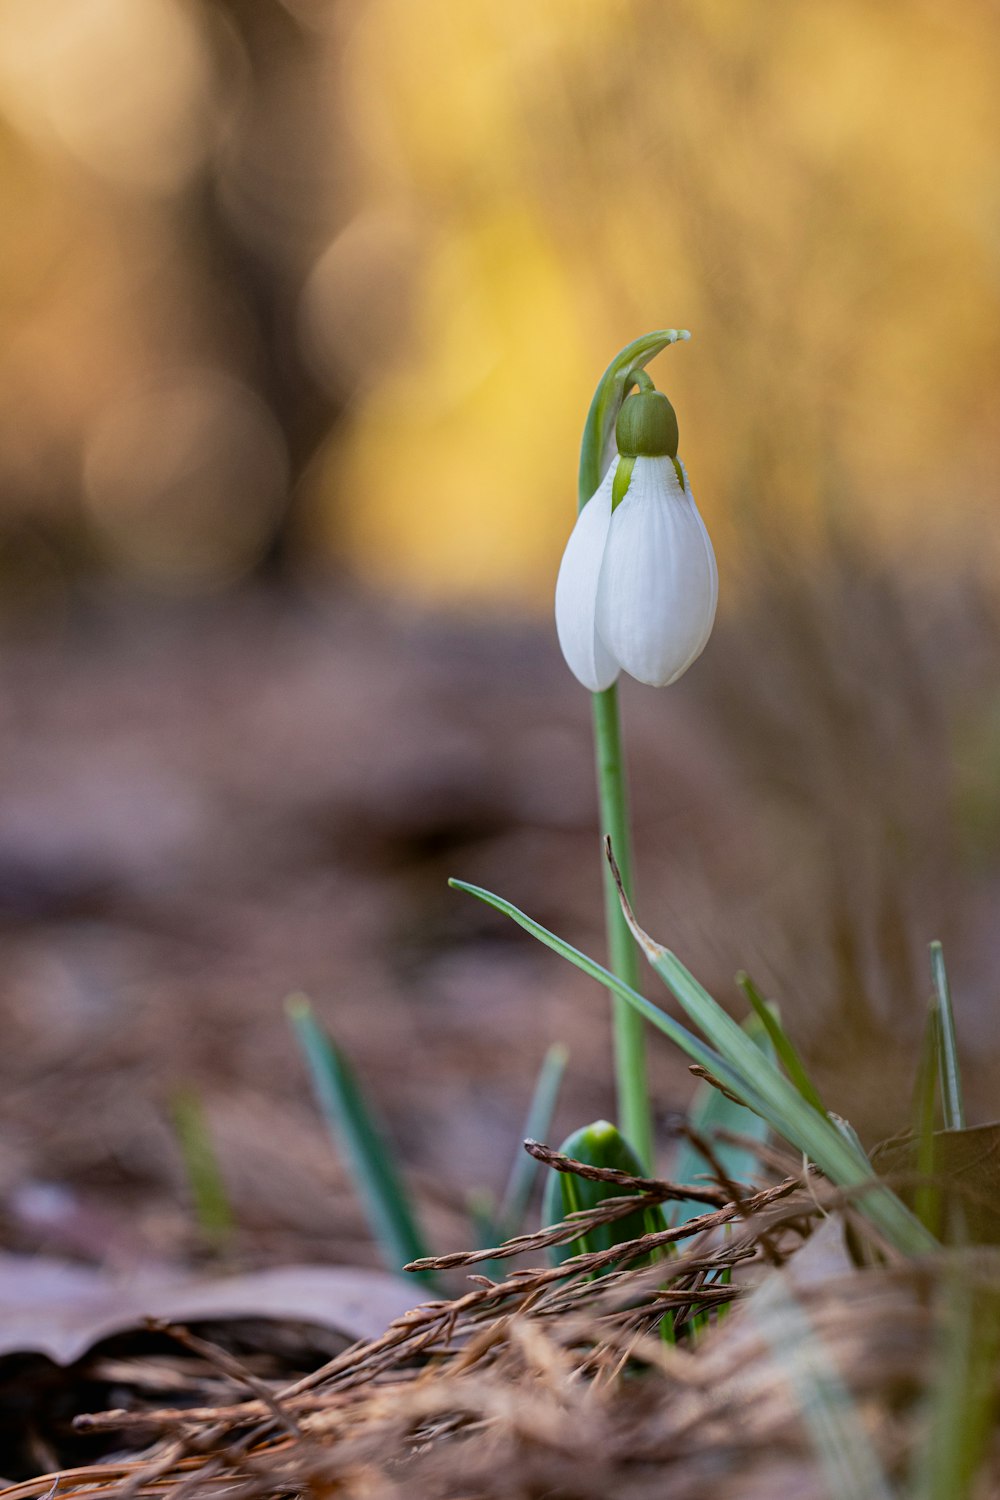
734	1059
608	397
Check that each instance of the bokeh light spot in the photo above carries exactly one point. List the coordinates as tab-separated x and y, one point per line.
184	481
125	86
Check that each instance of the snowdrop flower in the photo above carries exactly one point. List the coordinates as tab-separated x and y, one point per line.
638	584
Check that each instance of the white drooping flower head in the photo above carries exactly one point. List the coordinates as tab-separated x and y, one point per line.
638	584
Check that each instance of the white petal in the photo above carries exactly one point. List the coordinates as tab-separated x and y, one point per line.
659	584
576	592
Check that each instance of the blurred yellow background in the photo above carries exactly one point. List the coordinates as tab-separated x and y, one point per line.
302	304
313	283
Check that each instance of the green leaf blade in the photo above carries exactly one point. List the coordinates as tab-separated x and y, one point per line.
782	1043
354	1132
212	1209
712	1111
795	1120
696	1049
524	1169
952	1101
734	1060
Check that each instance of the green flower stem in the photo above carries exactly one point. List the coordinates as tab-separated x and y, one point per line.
634	1114
635	1119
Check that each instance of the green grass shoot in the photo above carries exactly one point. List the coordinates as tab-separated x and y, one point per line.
732	1057
962	1406
360	1140
952	1102
209	1199
927	1198
783	1045
524	1168
711	1111
493	1223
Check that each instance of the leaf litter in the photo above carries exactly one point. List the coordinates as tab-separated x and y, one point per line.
558	1380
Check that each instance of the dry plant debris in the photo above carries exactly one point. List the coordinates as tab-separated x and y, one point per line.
557	1381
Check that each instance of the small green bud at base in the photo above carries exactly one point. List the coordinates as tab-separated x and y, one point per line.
599	1145
647	426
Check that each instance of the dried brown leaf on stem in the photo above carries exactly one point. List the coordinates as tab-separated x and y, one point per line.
648	1185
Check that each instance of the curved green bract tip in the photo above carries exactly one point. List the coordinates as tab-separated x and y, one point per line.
611	389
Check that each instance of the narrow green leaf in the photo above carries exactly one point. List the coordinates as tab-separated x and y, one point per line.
927	1198
738	1064
354	1132
487	1230
524	1168
833	1151
847	1133
782	1042
686	1040
788	1112
201	1166
711	1111
493	1223
952	1104
961	1411
608	397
